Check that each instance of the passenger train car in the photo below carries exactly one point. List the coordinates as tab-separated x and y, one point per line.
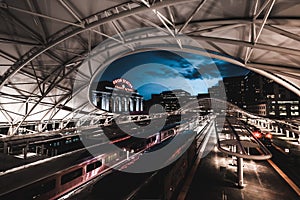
66	180
60	183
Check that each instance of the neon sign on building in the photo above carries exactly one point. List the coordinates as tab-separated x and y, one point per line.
123	84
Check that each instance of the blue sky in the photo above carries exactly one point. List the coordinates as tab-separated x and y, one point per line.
155	71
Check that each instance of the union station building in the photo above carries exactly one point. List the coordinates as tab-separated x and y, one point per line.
117	96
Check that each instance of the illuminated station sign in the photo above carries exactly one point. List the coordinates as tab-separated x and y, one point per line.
123	84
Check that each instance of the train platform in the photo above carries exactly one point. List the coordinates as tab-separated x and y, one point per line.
8	162
216	178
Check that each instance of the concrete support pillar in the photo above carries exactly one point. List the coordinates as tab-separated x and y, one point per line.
276	129
281	130
25	150
240	171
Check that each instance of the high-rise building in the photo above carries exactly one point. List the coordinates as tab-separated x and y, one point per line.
235	90
170	100
268	98
260	95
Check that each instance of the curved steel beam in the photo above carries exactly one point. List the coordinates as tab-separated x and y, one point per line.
268	47
36	52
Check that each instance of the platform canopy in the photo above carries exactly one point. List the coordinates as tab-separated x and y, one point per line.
44	42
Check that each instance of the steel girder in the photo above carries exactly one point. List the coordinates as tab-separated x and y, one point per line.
259	40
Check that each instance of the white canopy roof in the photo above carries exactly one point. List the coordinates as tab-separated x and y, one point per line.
43	44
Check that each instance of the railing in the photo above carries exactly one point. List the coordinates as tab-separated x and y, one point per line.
237	147
241	145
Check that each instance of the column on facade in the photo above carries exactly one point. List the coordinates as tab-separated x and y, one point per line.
111	104
103	101
94	99
107	103
137	104
114	104
131	105
141	105
117	104
125	104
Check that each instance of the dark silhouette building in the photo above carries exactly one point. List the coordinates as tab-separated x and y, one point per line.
268	98
259	95
169	100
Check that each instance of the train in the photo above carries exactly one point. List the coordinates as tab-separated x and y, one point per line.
62	182
57	145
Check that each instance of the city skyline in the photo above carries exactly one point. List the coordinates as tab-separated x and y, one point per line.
153	72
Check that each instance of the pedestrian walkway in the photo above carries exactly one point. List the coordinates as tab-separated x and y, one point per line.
216	178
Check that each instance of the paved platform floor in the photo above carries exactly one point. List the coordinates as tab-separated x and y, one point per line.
8	162
216	178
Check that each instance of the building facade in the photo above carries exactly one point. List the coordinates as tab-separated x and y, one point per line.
117	97
260	95
267	98
169	100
